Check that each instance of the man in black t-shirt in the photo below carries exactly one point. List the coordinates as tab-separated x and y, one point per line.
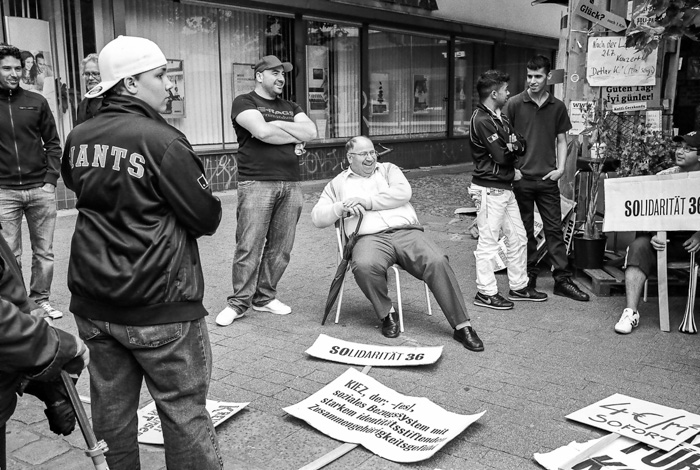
543	121
271	133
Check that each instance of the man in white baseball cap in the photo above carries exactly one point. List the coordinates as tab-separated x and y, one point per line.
134	273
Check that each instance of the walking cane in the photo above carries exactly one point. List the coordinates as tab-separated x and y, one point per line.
96	449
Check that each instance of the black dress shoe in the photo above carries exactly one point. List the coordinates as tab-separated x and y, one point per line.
390	325
469	339
566	288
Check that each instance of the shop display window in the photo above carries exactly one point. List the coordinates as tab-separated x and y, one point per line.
407	93
333	78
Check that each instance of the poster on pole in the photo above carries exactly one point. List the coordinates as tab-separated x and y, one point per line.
150	431
653	424
580	113
622	453
337	350
652	202
610	63
357	409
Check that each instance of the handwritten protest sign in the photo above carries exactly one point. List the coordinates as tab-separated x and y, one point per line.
355	408
657	425
337	350
610	63
597	14
651	203
150	431
622	454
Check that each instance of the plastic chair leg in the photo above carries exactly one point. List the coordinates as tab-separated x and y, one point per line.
398	297
427	299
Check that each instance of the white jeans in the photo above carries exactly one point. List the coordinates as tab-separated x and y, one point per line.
498	210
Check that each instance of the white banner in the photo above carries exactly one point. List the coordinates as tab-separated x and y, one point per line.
337	350
609	62
357	409
657	425
622	454
150	431
655	202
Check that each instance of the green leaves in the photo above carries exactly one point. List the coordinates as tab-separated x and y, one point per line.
655	20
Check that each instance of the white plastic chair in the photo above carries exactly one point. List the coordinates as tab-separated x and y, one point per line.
341	238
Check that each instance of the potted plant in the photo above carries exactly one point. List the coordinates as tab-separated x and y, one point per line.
597	151
631	149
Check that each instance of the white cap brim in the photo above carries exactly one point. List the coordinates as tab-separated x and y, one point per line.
101	88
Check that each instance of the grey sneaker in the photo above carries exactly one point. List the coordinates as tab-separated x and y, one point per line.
50	311
527	293
492	301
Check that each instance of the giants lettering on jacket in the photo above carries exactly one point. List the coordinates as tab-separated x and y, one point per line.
117	155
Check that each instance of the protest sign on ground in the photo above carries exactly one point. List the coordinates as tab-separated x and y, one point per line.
337	350
355	408
150	431
657	425
622	454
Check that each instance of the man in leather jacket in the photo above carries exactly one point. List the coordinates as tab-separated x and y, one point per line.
134	273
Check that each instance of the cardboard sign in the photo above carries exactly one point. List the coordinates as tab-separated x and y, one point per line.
589	10
615	95
337	350
652	203
610	63
657	425
355	408
150	431
621	108
580	112
623	453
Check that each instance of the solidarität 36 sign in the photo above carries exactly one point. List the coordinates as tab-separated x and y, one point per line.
652	203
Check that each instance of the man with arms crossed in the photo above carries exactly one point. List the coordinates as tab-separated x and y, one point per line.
135	274
390	234
543	122
640	260
495	149
271	135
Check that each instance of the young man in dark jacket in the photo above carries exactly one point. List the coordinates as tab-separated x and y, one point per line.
31	349
30	159
135	274
495	148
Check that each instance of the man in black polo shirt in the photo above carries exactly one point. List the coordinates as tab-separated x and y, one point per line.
543	121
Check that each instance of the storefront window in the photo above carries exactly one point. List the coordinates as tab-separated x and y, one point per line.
333	79
408	84
471	60
210	53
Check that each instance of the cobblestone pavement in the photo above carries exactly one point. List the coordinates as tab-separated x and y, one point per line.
542	361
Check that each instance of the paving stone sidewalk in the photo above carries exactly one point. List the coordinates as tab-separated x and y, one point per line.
542	361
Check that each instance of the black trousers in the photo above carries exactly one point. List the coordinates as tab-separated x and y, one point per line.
544	193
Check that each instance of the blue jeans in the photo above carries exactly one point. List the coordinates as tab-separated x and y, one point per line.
175	360
39	207
268	212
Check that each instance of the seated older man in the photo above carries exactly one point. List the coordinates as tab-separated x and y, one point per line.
390	234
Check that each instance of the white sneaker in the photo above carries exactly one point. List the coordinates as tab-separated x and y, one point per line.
276	307
227	315
50	311
628	320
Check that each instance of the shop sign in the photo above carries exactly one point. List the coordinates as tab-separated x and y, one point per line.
428	5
